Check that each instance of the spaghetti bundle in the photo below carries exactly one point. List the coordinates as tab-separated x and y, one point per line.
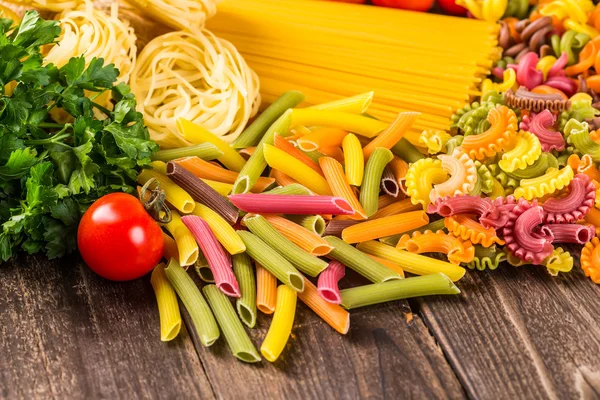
178	14
415	62
196	76
94	33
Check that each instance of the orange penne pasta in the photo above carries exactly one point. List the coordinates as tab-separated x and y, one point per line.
266	290
170	248
334	174
206	170
393	133
302	237
281	178
333	152
390	264
458	251
396	208
322	137
247	152
385	200
386	226
399	168
284	144
467	229
333	314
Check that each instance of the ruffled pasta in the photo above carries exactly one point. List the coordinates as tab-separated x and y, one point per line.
581	139
590	260
540	125
434	140
559	261
486	258
575	205
463	176
538	168
527	149
486	180
457	250
465	228
504	124
553	180
196	76
420	178
522	238
472	118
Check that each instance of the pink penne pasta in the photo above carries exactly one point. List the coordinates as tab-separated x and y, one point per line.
327	284
218	259
569	233
286	204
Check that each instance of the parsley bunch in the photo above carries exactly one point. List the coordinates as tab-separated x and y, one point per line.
51	172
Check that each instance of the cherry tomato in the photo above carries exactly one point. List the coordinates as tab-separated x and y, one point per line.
118	239
414	5
450	7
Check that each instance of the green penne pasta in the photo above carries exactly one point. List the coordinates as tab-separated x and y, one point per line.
202	318
302	260
432	226
246	303
295	189
203	269
313	155
406	151
272	261
395	290
236	337
252	135
205	151
314	223
359	262
538	168
369	191
256	164
412	263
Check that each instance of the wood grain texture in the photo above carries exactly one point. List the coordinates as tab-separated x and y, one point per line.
520	333
66	333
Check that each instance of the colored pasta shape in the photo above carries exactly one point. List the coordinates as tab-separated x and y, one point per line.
369	193
465	228
392	134
438	242
175	195
291	204
522	238
569	233
527	149
285	145
487	258
386	226
186	244
581	139
332	314
281	325
485	178
472	119
434	139
168	308
553	180
504	124
463	176
353	159
224	232
246	303
328	282
334	174
321	138
575	205
420	178
266	290
538	168
307	240
559	261
590	260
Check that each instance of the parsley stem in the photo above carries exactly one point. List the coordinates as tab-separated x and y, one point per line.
56	139
50	125
101	108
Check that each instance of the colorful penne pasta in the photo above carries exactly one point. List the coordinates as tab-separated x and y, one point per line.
281	325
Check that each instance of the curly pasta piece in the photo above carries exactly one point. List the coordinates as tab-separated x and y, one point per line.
486	179
486	258
581	139
527	149
434	139
590	260
539	125
522	238
467	229
553	180
471	119
458	251
539	167
463	176
504	124
453	143
559	261
420	178
461	204
507	181
580	198
580	110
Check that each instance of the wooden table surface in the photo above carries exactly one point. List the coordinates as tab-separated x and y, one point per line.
513	333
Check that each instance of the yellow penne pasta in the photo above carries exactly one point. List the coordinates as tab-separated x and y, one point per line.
386	226
361	125
175	195
186	244
281	326
168	308
354	160
220	187
224	233
302	237
334	173
355	105
296	169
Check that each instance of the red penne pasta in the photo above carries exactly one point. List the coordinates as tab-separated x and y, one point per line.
285	204
328	282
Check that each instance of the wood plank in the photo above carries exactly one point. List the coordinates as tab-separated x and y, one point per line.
520	333
67	333
386	354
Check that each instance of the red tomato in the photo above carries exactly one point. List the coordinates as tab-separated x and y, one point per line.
414	5
118	239
450	7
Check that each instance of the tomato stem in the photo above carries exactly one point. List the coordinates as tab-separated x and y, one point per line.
155	202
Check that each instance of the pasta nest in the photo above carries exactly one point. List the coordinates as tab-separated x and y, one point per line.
51	5
466	228
463	176
95	34
525	151
179	14
553	180
457	250
497	138
196	76
420	178
590	260
559	261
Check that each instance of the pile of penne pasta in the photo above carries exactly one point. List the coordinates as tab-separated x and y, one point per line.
305	193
